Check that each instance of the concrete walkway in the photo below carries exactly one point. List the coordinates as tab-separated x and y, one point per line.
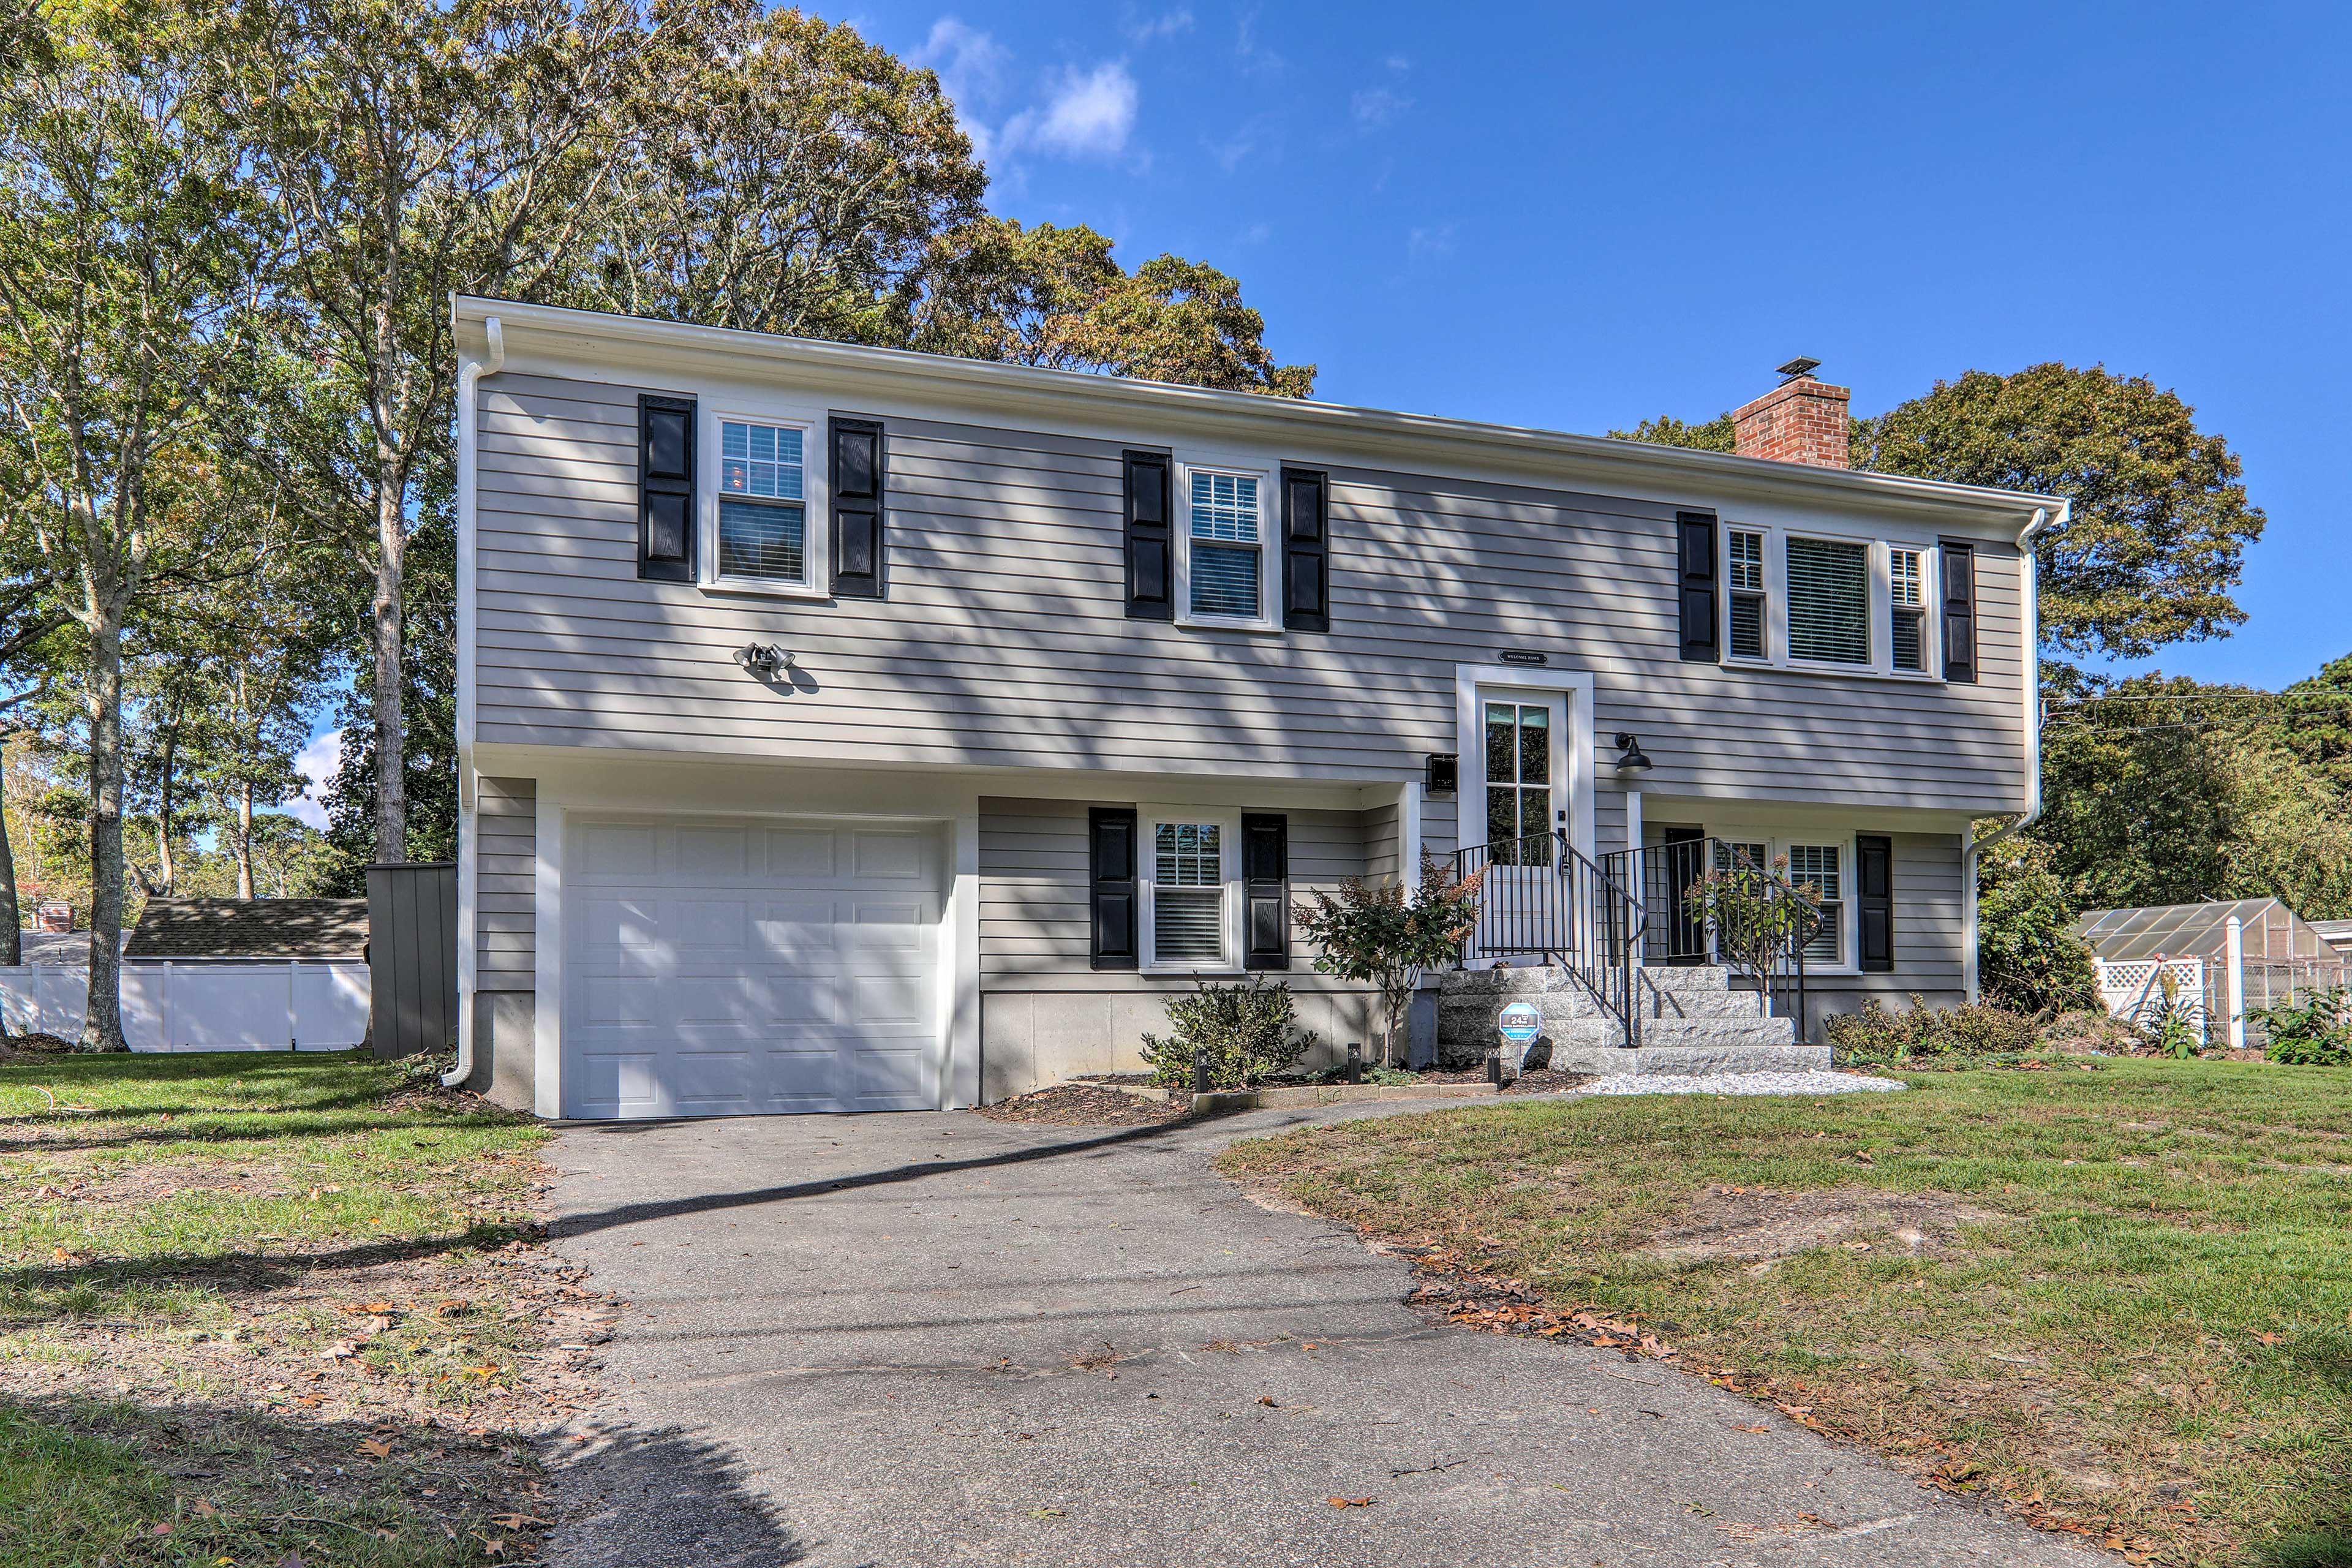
936	1339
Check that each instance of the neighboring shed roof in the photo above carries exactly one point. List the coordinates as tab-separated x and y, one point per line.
2271	931
251	928
2337	933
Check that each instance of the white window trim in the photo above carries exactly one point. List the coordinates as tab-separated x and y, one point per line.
816	557
1881	604
1228	824
1269	529
1776	843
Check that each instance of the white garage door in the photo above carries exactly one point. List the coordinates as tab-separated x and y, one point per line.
712	968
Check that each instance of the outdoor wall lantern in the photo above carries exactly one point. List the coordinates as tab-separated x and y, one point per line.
1631	758
1442	773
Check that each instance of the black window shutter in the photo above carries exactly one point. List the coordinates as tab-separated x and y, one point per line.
1696	573
1306	550
1265	891
1960	611
1874	880
1151	545
857	479
1110	832
665	487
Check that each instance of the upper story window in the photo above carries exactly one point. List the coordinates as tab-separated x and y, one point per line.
1747	563
1829	600
1225	525
1795	601
763	504
1908	608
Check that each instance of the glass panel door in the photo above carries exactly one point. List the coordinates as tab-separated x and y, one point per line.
1518	782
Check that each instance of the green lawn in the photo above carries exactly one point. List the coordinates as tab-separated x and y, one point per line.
2121	1297
260	1305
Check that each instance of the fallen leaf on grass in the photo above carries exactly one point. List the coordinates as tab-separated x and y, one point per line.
341	1349
164	1529
514	1521
2270	1339
205	1510
376	1448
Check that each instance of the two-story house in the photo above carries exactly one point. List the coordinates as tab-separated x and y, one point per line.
843	729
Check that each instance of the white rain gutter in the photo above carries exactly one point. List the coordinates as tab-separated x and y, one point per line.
2030	632
493	361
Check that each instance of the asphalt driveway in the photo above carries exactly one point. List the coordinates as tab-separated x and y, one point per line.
937	1339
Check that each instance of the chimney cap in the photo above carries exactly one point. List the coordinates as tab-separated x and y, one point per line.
1799	368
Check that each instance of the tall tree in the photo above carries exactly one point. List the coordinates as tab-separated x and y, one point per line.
127	261
416	152
793	178
2160	521
1053	296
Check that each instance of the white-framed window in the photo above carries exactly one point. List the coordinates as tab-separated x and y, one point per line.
1191	887
1746	550
1223	517
1823	866
1816	600
1825	860
1829	600
763	533
1907	597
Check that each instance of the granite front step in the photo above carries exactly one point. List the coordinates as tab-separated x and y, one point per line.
1689	1060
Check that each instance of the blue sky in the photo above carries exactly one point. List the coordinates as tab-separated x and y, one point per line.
1576	216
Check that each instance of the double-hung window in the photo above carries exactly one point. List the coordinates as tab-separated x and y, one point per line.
762	535
1829	600
1747	563
1908	608
1225	540
1187	900
1822	865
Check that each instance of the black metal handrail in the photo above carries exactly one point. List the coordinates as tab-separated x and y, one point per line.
1542	897
1680	929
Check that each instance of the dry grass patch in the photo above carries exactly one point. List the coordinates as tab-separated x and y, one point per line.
2119	1300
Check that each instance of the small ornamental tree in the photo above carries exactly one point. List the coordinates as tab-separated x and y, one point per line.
1377	934
1757	916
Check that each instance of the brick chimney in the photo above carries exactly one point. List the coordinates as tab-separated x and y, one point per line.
1802	420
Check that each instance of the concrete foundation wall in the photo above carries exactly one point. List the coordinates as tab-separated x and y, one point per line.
1029	1039
504	1048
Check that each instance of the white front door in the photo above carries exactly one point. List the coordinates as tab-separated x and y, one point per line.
714	967
1524	780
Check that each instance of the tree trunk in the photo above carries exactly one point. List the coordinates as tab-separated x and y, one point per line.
164	872
101	1028
243	842
391	759
12	945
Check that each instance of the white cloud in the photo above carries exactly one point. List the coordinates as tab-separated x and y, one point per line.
1377	106
970	66
1090	114
1146	30
317	763
1429	244
1254	56
1256	234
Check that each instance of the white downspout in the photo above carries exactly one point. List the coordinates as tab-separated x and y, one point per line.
2030	633
493	361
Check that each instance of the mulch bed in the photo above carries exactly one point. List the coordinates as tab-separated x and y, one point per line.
1085	1105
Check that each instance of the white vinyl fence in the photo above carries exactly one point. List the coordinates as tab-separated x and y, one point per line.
265	1005
2127	984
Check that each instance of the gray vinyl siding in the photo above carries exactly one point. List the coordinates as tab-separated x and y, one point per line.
1003	641
506	928
1384	842
1035	928
1930	934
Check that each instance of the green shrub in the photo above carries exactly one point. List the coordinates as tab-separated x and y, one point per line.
2317	1034
1876	1037
2172	1018
1247	1033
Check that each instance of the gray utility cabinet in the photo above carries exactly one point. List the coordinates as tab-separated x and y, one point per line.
413	957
